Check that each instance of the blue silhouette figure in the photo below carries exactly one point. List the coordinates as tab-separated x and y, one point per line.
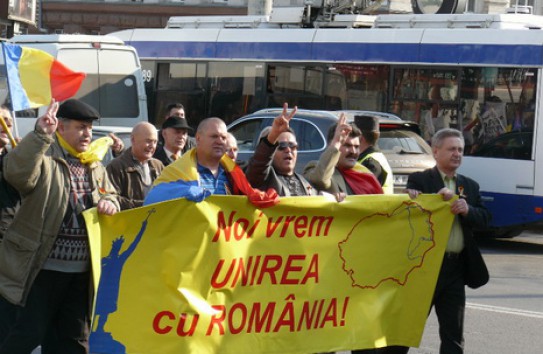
108	292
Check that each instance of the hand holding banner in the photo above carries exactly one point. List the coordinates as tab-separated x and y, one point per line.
307	275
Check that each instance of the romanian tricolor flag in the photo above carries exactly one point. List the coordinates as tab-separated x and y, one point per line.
36	77
361	180
180	179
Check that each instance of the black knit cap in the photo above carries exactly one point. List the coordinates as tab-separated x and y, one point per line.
367	123
77	110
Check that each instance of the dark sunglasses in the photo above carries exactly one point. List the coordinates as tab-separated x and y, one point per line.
282	145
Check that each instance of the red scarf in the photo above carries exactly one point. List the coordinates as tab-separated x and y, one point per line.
360	181
257	197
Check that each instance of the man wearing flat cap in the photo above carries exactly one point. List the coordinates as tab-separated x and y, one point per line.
176	140
45	268
370	156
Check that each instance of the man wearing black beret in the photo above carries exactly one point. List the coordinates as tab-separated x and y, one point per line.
45	268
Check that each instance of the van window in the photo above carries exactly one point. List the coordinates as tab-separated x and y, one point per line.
110	85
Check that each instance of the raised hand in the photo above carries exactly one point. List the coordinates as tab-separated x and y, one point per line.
281	123
342	131
49	121
118	144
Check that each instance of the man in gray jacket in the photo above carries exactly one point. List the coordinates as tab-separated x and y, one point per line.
337	171
45	270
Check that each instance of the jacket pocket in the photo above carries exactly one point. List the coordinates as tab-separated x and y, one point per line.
17	254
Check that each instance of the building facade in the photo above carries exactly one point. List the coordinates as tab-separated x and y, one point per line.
102	17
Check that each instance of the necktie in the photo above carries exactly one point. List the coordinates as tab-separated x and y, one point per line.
173	157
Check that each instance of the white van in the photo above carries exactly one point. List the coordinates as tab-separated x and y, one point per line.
113	85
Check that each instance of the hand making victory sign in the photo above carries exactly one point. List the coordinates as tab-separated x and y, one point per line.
342	131
49	121
281	123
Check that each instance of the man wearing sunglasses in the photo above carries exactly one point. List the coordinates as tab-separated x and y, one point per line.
338	171
274	160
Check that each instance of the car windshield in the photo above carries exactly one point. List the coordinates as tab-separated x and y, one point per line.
400	141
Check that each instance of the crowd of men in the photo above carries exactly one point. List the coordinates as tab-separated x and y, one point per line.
55	173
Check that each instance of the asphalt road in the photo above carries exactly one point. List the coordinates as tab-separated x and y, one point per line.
506	315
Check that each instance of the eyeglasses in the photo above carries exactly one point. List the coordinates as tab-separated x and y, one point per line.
282	145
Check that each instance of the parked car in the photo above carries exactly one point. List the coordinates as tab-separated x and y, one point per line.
382	115
400	141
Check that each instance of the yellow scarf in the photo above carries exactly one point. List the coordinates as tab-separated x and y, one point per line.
96	151
184	168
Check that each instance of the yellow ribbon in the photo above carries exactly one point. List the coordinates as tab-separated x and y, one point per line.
96	151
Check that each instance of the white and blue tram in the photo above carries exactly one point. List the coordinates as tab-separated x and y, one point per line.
479	73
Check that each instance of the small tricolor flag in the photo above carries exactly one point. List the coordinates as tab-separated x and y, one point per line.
35	77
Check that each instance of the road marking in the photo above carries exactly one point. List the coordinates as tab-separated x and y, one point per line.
506	310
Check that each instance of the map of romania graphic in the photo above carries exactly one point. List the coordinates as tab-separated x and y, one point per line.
402	250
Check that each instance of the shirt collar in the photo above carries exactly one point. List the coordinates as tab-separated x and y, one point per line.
444	175
203	169
169	153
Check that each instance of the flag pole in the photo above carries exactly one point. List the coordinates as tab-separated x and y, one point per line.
15	129
8	132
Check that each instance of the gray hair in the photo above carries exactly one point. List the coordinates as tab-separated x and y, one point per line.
442	134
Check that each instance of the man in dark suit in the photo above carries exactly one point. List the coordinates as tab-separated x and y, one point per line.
462	263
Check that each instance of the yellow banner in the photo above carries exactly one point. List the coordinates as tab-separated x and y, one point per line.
308	275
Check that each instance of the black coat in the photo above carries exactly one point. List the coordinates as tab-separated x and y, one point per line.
430	181
261	174
160	153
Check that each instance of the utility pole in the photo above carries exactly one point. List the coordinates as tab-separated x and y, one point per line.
12	29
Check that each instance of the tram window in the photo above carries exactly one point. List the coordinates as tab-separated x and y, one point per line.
302	80
193	101
181	76
335	90
512	145
504	104
483	102
364	87
233	87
